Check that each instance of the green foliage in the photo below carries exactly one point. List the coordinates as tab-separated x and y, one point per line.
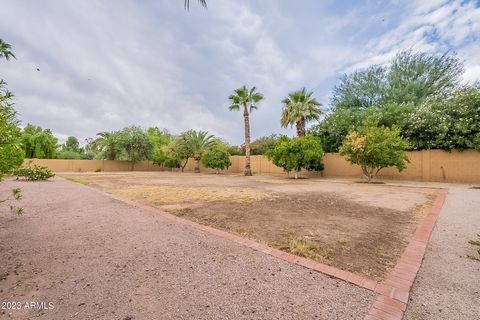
197	142
375	147
293	154
299	108
447	122
136	144
72	144
261	145
107	145
175	154
15	195
68	154
6	50
410	78
11	153
217	156
38	143
158	139
236	150
33	172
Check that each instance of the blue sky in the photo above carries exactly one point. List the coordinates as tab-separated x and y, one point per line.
109	64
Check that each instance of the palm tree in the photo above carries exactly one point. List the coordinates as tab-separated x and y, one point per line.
5	50
197	142
248	100
202	2
299	108
108	144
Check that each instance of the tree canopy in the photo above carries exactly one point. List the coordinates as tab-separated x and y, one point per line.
299	108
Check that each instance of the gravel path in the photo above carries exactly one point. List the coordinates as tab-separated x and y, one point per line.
94	257
448	283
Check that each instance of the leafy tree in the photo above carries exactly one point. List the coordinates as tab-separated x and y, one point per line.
237	150
246	99
300	107
6	50
448	121
293	154
39	143
414	77
197	142
136	144
410	78
11	152
176	154
159	139
375	147
361	89
72	144
217	156
261	145
108	145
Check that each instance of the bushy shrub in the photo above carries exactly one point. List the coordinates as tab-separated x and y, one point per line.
293	154
217	157
375	147
33	172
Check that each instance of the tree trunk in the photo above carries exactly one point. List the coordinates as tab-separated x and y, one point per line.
296	174
301	128
184	165
248	171
197	164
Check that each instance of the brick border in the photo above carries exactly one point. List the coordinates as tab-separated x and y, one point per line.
393	293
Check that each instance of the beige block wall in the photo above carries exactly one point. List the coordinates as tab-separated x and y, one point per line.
426	165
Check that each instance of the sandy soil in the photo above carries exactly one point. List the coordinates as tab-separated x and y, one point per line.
356	227
448	283
93	257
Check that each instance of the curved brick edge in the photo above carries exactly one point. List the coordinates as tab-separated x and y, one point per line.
347	276
393	293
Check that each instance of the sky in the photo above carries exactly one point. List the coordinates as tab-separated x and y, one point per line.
104	65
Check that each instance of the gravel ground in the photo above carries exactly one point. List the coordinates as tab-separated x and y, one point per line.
94	257
448	283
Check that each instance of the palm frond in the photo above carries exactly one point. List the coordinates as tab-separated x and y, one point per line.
202	2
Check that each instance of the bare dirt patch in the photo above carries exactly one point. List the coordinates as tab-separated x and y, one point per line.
356	227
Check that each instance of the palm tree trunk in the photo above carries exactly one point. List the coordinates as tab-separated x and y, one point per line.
197	165
300	128
248	171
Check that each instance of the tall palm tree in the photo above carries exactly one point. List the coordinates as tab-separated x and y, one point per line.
197	143
108	144
299	108
5	50
202	2
247	99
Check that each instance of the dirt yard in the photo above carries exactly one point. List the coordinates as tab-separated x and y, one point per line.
356	227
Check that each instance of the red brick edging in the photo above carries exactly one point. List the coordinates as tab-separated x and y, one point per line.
393	293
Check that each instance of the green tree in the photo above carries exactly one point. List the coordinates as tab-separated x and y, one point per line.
176	154
136	144
108	145
299	108
414	77
247	100
375	147
197	142
39	143
410	78
6	50
261	145
293	154
72	144
217	156
11	153
159	139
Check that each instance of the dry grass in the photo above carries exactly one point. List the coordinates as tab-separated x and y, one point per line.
307	248
160	195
